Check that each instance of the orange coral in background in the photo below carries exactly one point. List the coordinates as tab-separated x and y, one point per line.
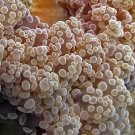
48	11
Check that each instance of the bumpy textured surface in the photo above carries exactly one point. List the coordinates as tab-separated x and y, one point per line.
27	3
68	79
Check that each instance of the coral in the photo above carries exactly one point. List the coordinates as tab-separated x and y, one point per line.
27	3
72	77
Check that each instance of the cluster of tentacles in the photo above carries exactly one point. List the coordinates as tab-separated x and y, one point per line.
68	78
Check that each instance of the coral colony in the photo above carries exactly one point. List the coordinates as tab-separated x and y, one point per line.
73	78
